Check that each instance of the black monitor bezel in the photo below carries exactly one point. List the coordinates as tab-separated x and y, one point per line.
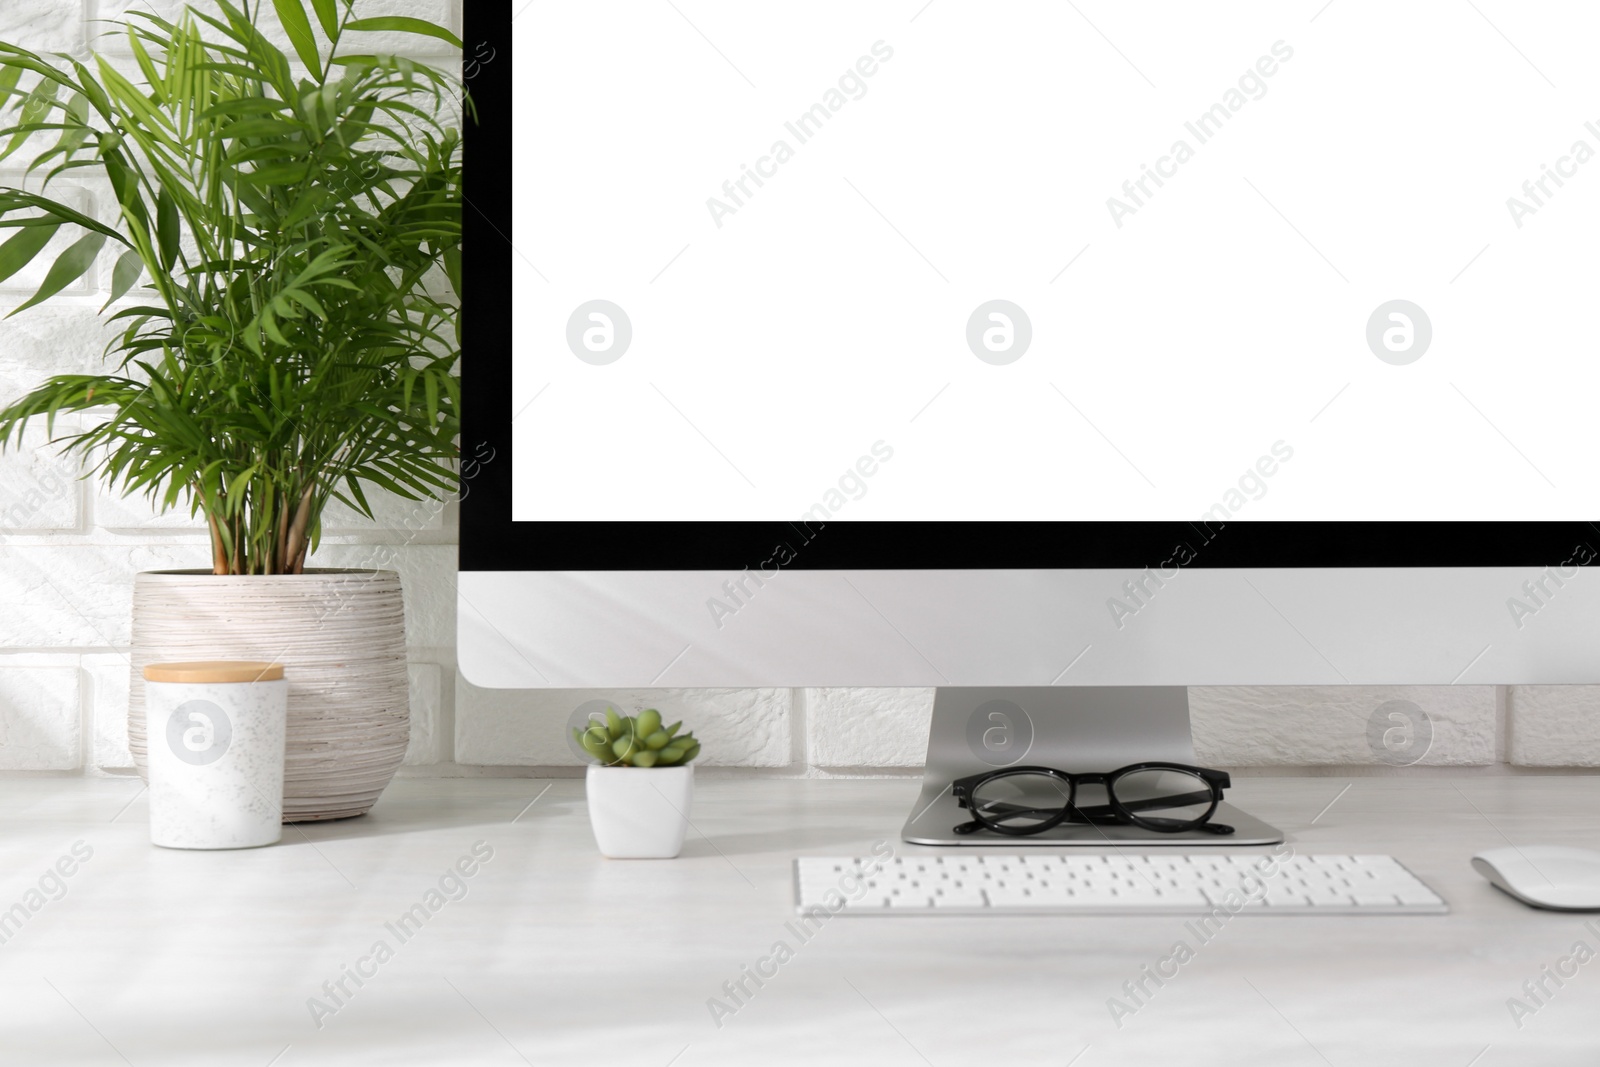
490	540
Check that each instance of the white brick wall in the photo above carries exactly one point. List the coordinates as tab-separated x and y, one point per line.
68	551
44	25
740	727
1556	726
40	713
1257	726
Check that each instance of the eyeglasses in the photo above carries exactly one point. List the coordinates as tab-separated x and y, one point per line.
1167	798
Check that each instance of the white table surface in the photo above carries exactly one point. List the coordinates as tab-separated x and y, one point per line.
558	956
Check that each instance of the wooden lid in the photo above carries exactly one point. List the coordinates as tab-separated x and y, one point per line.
215	670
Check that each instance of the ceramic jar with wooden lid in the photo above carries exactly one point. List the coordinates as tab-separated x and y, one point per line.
216	735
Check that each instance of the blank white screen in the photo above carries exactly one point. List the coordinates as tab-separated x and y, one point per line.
1225	316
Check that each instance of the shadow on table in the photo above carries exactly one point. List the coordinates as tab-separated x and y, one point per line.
854	840
398	813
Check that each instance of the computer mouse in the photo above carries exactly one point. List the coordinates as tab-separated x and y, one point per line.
1545	876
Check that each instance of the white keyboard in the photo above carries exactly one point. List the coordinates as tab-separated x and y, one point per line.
1127	884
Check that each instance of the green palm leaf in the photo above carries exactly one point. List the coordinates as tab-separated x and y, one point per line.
71	265
404	24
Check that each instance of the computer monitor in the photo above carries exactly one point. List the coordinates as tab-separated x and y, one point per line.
961	347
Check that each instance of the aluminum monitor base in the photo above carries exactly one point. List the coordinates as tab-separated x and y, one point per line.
1081	729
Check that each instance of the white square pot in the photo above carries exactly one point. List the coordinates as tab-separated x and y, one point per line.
639	813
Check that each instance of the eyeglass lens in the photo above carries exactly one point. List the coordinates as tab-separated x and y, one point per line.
1021	801
1164	795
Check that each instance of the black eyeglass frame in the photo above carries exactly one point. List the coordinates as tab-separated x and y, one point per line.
1115	812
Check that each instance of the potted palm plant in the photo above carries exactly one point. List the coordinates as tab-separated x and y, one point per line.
284	259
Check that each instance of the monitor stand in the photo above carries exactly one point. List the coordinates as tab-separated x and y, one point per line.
1072	728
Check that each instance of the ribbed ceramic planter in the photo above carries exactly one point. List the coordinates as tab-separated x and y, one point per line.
340	636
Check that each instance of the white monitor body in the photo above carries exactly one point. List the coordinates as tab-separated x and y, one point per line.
1182	627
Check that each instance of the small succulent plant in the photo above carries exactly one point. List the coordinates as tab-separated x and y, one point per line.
637	741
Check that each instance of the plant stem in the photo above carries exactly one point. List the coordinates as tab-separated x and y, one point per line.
296	555
278	550
219	555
